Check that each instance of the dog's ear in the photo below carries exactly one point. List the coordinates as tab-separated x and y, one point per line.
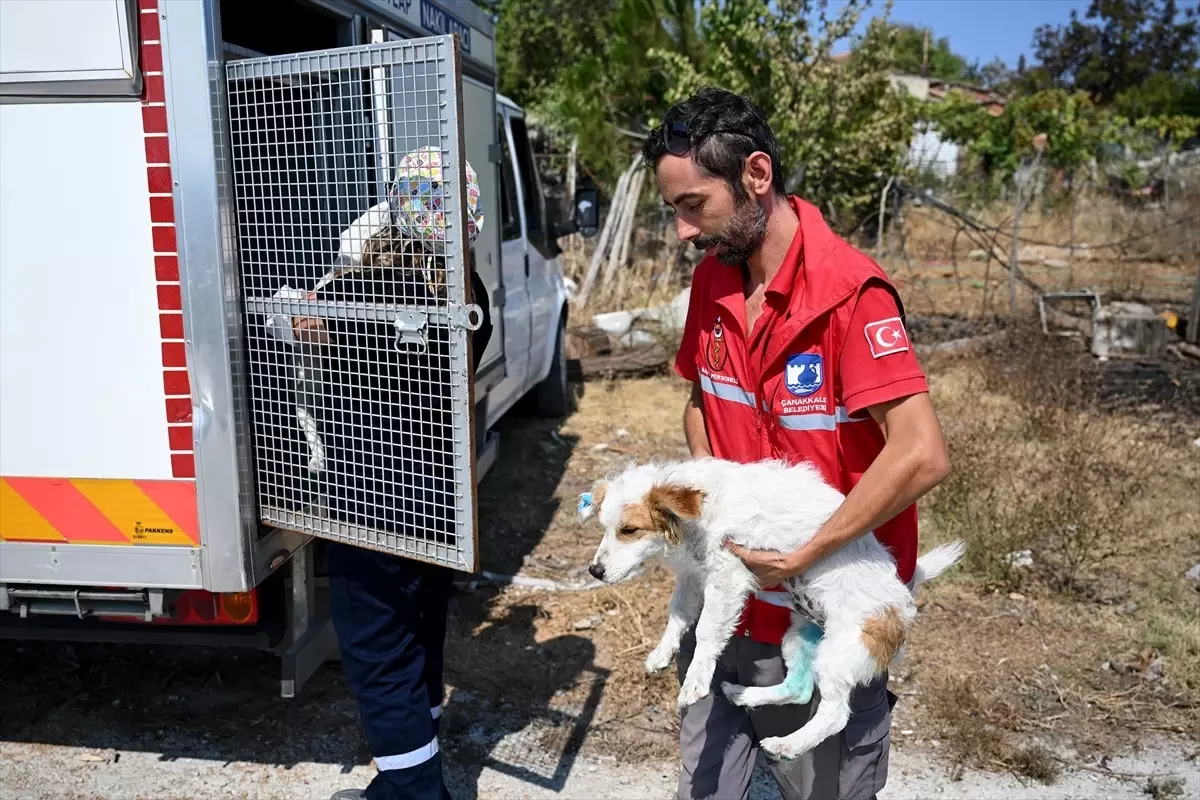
673	503
590	502
676	499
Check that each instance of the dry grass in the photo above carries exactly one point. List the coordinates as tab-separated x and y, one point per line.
1037	467
1105	503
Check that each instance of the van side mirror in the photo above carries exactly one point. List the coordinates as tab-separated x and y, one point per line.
587	211
585	216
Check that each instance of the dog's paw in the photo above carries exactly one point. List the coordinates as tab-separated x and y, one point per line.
659	659
691	692
733	692
779	749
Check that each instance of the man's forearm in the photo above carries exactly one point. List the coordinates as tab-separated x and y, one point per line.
891	484
693	425
913	460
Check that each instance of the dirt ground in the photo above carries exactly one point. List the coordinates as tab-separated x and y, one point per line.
547	696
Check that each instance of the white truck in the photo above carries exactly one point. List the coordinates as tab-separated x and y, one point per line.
177	181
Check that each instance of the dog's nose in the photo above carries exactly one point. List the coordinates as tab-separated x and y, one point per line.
597	571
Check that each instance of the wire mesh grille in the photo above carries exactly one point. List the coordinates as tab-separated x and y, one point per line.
351	219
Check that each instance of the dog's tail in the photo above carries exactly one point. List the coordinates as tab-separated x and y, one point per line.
937	561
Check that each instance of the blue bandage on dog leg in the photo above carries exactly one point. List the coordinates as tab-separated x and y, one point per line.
799	653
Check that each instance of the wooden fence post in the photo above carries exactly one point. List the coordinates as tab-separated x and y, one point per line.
1014	263
610	225
1193	323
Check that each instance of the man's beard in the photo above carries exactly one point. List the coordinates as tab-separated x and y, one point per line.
743	235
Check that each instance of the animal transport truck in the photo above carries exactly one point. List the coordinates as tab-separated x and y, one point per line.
181	184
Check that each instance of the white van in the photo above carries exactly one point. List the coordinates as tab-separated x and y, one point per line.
175	180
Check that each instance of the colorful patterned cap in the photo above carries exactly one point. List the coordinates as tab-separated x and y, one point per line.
416	199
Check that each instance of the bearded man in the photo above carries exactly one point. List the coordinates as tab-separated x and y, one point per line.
796	349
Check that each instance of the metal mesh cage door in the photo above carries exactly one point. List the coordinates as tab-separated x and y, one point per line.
353	218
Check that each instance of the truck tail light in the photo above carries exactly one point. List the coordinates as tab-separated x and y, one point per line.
198	607
239	606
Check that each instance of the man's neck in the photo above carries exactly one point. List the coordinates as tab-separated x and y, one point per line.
781	230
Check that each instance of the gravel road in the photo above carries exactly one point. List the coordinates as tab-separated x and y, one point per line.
118	722
44	771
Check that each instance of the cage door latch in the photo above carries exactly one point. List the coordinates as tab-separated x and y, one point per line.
468	316
412	329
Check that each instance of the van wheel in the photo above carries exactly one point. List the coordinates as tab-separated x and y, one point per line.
552	394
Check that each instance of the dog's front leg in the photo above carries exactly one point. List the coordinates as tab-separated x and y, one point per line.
685	607
718	619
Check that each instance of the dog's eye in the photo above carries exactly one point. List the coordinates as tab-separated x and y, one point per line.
627	532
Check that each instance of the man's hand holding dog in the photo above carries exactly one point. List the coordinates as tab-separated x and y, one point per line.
769	567
913	460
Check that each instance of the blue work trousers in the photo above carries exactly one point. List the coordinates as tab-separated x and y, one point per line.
390	618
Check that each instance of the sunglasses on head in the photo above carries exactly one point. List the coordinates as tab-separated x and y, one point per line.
678	139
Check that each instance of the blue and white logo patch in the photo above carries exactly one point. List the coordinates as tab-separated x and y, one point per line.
804	374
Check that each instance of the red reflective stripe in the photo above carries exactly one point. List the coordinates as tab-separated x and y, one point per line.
158	179
164	238
158	150
155	91
162	209
174	355
154	118
151	58
166	268
149	30
183	465
170	326
170	298
179	409
175	383
180	438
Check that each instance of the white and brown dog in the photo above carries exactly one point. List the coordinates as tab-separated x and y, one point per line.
683	511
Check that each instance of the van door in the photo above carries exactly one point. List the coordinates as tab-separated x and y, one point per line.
479	109
540	266
517	316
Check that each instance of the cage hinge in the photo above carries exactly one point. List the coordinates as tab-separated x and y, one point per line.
412	329
468	316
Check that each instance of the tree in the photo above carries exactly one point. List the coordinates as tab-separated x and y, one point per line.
840	125
993	75
909	53
613	68
1162	93
537	39
1117	48
582	70
1077	129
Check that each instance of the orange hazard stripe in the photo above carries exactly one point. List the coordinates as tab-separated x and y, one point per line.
97	511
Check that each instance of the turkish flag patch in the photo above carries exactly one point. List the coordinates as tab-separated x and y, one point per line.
886	336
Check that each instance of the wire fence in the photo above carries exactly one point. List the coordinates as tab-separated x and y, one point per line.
955	252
